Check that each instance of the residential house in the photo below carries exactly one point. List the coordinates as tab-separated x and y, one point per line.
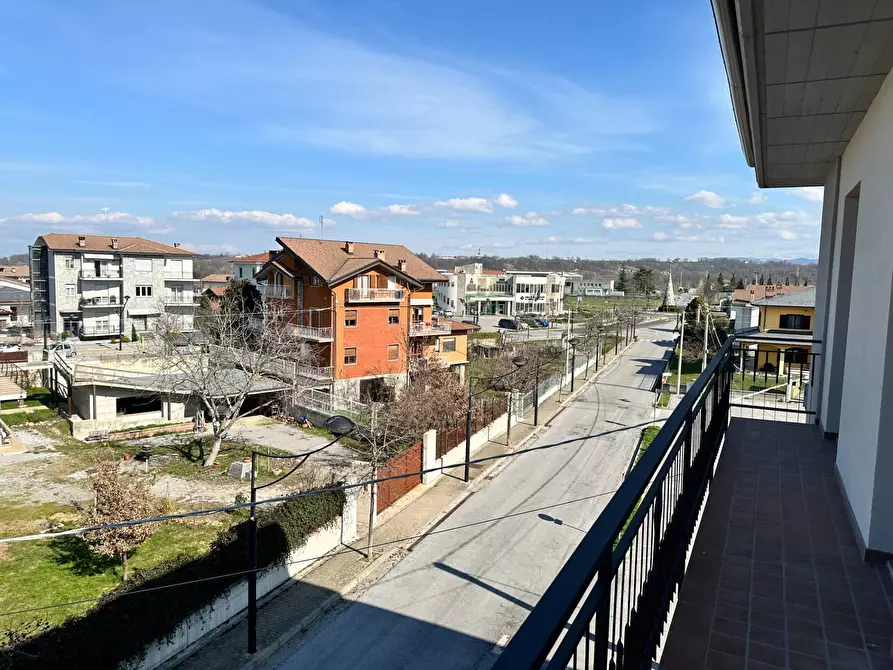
783	335
247	267
744	313
15	304
17	273
471	290
215	281
365	308
575	284
80	284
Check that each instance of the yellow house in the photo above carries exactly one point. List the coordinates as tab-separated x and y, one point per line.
784	335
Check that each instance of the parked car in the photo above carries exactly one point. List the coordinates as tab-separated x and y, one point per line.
509	324
66	349
543	323
531	321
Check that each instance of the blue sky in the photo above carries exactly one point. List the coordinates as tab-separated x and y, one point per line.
572	128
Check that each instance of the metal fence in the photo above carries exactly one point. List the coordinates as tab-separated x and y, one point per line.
484	412
609	604
774	383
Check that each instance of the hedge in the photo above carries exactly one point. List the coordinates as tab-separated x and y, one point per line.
120	627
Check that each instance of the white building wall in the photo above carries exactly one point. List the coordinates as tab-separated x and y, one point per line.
865	446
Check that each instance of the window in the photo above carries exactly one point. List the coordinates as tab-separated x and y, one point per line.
350	318
449	344
314	280
350	356
794	322
393	352
143	291
70	290
142	265
140	323
240	272
69	262
393	318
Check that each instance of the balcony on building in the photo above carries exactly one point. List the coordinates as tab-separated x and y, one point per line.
275	291
101	274
375	294
315	333
429	328
728	545
99	302
185	299
315	372
179	275
88	329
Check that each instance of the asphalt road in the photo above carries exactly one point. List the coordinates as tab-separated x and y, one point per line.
469	584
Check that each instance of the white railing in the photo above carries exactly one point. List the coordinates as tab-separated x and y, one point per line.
375	294
423	328
181	276
313	332
100	301
314	372
276	291
105	274
92	331
180	299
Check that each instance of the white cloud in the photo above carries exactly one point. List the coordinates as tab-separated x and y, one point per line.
211	248
271	219
674	218
622	210
614	224
811	193
529	220
408	210
349	208
481	205
757	198
787	235
788	218
733	222
708	198
450	224
505	200
659	236
88	219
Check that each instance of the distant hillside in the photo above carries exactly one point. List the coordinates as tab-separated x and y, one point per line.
688	272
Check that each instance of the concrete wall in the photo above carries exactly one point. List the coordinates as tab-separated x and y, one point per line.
224	610
858	324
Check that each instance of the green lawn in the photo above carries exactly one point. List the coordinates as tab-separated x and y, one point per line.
37	397
648	434
18	418
47	572
664	400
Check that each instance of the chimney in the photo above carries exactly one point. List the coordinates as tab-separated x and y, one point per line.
176	245
401	265
348	247
82	241
114	243
380	254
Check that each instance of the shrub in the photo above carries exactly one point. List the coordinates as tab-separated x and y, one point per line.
64	335
118	629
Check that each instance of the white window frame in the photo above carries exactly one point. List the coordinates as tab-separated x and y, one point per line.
143	291
71	291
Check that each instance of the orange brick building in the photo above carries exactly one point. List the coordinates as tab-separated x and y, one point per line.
365	309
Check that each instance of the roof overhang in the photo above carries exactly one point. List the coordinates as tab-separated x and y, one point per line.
802	76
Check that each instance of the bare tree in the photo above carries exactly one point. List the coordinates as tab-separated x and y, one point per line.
119	498
242	346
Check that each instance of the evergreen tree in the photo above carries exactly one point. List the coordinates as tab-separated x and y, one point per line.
805	281
620	285
740	284
769	280
787	281
721	282
762	280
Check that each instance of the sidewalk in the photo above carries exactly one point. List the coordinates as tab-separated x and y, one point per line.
296	607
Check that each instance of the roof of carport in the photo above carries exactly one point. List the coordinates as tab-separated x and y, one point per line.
802	74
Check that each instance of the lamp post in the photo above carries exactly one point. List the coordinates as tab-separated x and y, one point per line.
536	391
121	322
518	362
573	342
339	426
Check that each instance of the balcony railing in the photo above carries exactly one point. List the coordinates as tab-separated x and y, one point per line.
427	328
181	299
375	294
99	302
105	274
610	603
275	291
314	372
318	333
89	330
179	276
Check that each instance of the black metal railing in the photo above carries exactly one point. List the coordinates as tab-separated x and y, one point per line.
775	381
610	603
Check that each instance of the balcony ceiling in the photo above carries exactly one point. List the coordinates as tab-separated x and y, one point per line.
803	74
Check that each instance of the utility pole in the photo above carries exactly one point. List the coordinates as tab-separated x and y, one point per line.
706	325
679	357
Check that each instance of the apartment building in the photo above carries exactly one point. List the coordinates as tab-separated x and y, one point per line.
364	308
247	267
575	284
471	290
97	286
16	273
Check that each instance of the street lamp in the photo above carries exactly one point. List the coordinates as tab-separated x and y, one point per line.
519	362
121	322
339	426
573	342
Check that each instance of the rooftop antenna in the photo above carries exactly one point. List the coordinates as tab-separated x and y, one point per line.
321	220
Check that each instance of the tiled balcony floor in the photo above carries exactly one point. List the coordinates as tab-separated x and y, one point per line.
776	579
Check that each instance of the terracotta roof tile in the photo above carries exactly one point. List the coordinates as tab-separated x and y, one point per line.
328	257
262	257
14	271
218	291
460	326
753	292
216	279
129	245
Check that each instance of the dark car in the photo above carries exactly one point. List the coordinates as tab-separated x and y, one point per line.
531	321
508	324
